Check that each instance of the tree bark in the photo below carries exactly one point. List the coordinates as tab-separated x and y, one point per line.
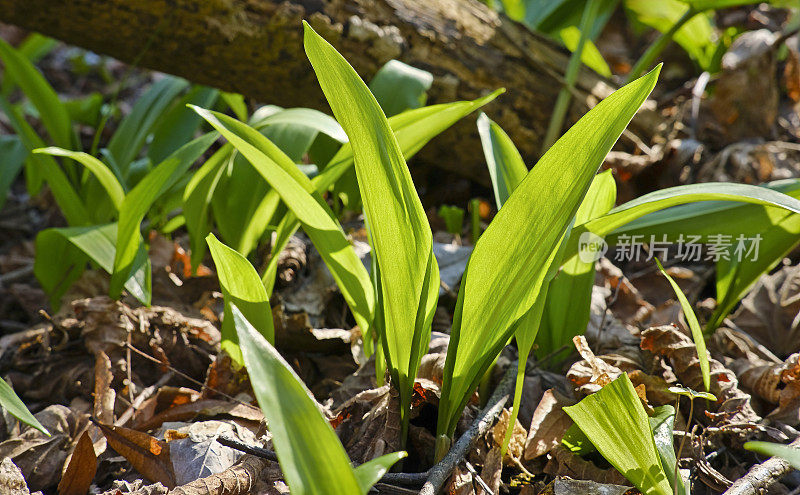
255	47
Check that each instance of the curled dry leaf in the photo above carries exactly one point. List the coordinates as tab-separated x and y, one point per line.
39	457
147	454
204	407
678	348
567	486
591	374
778	384
80	468
492	470
369	424
516	445
769	312
548	425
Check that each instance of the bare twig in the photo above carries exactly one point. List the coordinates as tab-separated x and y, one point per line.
440	472
761	476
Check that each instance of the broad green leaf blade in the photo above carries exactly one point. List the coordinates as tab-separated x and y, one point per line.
13	153
372	471
52	112
312	459
399	87
197	201
662	424
506	167
567	309
402	239
235	102
138	202
785	452
133	130
702	5
413	129
590	55
179	124
694	326
304	117
100	170
14	405
298	193
505	273
33	47
614	420
241	286
62	255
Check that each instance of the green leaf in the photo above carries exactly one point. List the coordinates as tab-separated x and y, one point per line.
304	117
241	286
692	394
133	130
85	110
590	56
662	424
14	154
12	403
372	471
318	222
453	218
702	5
399	87
694	326
235	102
696	36
567	309
312	459
402	239
138	202
786	452
413	130
506	167
179	124
63	253
197	201
100	170
505	274
614	420
52	112
33	47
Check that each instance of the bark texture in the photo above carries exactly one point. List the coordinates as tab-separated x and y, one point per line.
255	47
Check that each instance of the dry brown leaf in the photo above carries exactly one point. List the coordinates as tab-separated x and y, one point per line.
460	483
81	468
203	407
548	425
567	486
769	312
516	444
492	471
592	373
369	424
678	348
564	463
104	395
147	454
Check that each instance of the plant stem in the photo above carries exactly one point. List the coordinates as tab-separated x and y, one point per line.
565	95
655	49
683	439
512	420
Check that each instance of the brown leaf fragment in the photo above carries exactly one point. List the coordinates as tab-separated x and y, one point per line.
104	395
491	471
592	373
567	486
147	454
516	444
240	479
548	425
11	480
564	463
203	407
460	483
678	348
81	468
369	424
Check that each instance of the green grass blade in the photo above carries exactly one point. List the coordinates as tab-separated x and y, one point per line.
312	459
133	130
694	326
138	202
14	154
178	125
241	286
662	424
403	243
100	170
298	193
12	403
786	452
302	117
506	167
505	273
614	420
52	112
